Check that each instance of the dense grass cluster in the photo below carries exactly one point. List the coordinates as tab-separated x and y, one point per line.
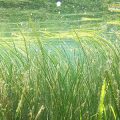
80	82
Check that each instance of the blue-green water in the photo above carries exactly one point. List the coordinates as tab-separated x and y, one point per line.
45	22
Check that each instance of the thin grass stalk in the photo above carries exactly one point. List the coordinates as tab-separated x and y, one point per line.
39	113
101	102
109	81
20	104
113	111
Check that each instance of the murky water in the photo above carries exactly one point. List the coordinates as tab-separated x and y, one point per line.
58	25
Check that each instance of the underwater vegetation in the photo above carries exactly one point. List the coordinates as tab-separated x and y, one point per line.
77	79
59	63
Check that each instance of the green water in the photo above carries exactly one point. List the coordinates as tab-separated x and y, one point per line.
53	26
47	19
74	74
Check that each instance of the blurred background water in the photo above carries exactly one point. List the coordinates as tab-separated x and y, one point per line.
52	22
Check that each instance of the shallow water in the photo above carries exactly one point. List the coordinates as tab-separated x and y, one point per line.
50	26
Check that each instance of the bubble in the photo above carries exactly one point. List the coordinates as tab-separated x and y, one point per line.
58	4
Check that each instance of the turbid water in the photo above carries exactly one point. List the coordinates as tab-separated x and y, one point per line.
74	74
56	25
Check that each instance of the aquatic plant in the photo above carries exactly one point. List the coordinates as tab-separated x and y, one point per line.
79	82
